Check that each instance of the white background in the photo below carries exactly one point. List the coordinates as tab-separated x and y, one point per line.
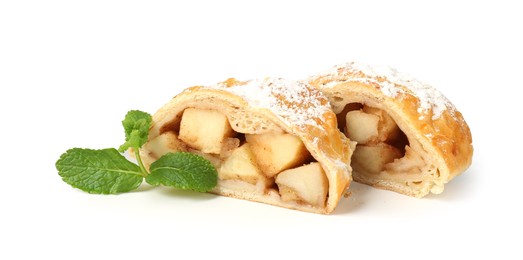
70	70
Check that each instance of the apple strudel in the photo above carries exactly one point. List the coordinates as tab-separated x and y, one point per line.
273	141
411	139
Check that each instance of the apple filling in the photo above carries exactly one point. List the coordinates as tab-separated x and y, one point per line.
383	149
267	163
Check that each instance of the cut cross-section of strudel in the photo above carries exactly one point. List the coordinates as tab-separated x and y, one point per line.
411	139
273	141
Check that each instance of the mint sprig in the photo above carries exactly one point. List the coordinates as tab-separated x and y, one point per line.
107	171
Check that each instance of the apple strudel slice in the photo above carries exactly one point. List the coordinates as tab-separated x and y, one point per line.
272	141
411	139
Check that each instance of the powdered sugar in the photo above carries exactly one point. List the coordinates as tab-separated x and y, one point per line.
389	89
292	102
390	82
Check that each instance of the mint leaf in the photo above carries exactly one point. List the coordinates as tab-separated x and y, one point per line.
184	171
99	171
136	125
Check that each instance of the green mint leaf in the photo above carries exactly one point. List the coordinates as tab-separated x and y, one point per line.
99	171
136	125
184	171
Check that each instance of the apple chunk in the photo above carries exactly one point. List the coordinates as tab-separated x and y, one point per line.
307	183
204	129
387	129
373	158
361	127
277	152
240	165
165	143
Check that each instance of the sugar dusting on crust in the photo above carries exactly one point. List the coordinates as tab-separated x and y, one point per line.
293	102
390	82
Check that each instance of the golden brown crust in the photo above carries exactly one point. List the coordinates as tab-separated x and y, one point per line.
422	113
262	106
